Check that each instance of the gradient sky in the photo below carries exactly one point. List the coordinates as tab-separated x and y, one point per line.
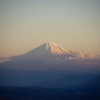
26	24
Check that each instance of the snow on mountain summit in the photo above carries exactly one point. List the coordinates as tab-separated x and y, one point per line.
56	49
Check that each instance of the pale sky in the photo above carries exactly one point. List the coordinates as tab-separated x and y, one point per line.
26	24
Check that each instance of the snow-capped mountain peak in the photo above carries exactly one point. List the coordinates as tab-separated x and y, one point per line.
45	51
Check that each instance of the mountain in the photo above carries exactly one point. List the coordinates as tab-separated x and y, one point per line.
65	82
45	52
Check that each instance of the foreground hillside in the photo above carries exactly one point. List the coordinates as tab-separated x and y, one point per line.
38	93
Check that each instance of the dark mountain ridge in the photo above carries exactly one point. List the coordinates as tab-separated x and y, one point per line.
65	82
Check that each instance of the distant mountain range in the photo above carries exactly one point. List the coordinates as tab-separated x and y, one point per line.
72	81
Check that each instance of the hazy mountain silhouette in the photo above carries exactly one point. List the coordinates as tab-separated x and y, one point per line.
93	83
66	82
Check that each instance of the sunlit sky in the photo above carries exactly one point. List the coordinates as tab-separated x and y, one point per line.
26	24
